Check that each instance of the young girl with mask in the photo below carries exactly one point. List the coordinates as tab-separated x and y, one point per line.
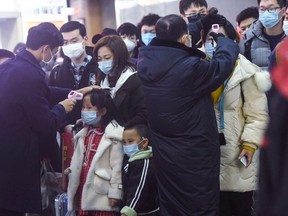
95	173
119	75
140	195
241	112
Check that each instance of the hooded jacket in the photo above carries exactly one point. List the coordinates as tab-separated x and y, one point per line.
245	120
177	85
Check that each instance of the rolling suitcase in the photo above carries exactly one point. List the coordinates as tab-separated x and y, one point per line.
68	146
61	204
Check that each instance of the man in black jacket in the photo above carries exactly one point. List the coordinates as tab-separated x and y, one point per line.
25	118
177	86
78	69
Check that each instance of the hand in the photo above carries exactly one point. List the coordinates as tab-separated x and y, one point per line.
216	36
114	202
88	89
248	155
68	104
68	128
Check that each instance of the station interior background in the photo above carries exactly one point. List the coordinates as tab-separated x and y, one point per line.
17	16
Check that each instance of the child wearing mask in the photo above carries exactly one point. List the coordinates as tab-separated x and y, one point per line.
95	174
139	182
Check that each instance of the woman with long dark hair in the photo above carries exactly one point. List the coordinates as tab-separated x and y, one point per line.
119	75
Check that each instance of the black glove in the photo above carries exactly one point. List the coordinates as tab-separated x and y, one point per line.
210	19
216	36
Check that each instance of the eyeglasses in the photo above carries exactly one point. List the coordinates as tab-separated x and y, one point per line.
270	10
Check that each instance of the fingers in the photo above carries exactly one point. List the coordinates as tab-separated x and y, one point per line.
88	89
248	155
249	159
68	104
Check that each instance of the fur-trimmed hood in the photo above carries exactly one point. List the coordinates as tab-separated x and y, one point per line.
244	70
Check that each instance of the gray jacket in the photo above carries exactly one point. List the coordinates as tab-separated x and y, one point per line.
260	50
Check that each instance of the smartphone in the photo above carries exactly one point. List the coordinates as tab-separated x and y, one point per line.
215	28
244	161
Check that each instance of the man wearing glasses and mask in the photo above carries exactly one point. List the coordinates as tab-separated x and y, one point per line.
262	37
196	15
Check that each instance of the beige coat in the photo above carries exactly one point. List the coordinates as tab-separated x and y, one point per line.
104	176
245	120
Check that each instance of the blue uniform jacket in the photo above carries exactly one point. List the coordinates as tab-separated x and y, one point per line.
25	117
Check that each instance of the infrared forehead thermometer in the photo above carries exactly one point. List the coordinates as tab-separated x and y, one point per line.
215	28
76	95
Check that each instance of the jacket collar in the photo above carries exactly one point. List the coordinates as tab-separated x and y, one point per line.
256	30
27	56
173	44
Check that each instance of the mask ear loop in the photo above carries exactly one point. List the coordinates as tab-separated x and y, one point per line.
143	139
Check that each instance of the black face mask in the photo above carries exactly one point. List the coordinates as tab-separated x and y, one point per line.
195	18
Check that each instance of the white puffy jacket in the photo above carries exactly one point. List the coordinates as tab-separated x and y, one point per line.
245	120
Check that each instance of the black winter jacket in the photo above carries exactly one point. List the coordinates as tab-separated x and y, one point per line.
139	185
25	118
63	76
177	86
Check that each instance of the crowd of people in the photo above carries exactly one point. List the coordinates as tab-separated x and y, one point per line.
179	114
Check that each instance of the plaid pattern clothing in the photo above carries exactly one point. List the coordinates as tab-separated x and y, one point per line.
98	213
91	143
79	68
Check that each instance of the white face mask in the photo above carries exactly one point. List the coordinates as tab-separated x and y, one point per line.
129	44
73	51
46	62
105	66
285	27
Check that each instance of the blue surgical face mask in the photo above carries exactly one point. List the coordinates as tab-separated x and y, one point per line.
90	117
131	149
105	66
269	19
147	37
209	49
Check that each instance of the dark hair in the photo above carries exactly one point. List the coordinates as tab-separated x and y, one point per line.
19	47
281	3
149	20
128	29
105	32
141	129
73	25
6	54
171	27
101	99
120	57
44	34
185	4
250	12
228	28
